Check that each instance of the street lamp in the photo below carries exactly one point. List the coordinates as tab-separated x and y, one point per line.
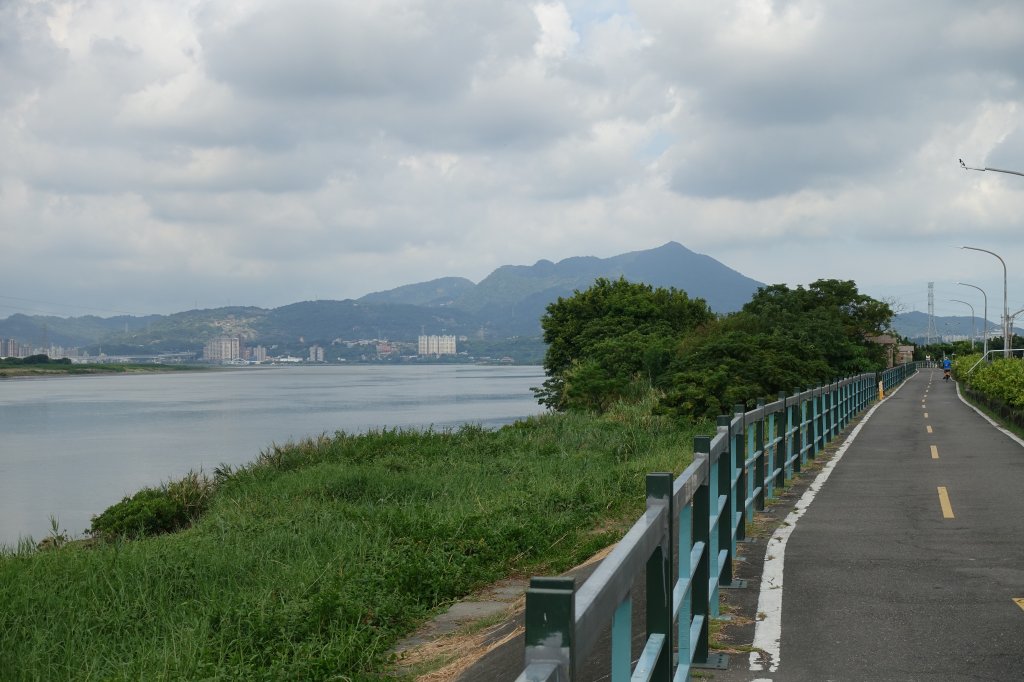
973	334
985	297
1006	310
1013	318
997	170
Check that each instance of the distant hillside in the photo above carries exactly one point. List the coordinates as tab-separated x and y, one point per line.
436	292
507	303
914	325
511	300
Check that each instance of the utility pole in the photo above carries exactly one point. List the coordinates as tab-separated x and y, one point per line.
932	333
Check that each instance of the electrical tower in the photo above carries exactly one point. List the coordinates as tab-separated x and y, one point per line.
932	334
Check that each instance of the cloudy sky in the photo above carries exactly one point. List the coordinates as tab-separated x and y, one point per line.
158	155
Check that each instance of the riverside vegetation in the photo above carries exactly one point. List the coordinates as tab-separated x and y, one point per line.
314	560
43	365
996	387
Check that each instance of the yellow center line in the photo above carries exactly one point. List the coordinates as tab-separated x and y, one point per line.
1019	601
929	427
947	508
935	453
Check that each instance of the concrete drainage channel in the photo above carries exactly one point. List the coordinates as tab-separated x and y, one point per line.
473	640
454	640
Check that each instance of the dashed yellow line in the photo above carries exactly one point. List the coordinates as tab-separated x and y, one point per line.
947	508
935	452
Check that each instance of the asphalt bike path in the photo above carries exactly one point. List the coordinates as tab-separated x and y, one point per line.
902	560
909	564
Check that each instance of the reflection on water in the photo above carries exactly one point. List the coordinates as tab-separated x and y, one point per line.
72	446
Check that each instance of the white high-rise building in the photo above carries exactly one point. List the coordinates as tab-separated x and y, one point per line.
222	349
437	345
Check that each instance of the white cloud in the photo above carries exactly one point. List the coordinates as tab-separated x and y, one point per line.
557	36
161	154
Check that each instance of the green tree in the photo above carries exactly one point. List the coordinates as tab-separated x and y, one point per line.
603	340
781	340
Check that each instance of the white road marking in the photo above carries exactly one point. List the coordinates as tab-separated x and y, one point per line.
768	627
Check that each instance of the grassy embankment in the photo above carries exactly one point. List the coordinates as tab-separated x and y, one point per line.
10	369
314	560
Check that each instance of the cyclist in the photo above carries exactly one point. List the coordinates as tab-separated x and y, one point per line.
946	367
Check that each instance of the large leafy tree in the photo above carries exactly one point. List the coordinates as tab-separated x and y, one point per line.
602	340
782	339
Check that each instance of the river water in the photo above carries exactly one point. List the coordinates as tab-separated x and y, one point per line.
72	446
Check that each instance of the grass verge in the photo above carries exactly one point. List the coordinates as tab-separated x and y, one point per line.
314	560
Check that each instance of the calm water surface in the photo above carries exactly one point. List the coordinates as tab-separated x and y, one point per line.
72	446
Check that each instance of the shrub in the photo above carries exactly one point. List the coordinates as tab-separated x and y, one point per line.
153	511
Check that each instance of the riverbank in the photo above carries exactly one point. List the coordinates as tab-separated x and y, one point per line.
312	562
11	370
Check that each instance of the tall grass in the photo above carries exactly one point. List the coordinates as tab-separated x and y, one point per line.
311	562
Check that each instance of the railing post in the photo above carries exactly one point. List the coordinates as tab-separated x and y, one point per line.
771	447
739	444
796	424
622	640
826	414
811	414
701	506
781	454
759	463
550	626
726	522
819	416
840	407
835	411
684	542
846	404
659	576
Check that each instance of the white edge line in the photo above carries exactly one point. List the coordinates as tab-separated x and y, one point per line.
768	630
989	419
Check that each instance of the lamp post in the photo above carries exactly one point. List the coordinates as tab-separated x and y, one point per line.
1006	310
1013	318
986	168
973	334
985	298
1007	329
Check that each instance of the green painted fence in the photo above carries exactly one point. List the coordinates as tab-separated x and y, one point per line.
685	542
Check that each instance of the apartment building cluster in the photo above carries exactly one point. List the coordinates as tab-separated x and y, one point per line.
12	348
437	345
229	349
233	350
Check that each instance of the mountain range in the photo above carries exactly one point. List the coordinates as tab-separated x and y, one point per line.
507	303
914	326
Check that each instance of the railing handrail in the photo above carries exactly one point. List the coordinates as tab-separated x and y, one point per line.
695	519
985	355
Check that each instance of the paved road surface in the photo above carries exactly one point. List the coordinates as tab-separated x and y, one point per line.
908	563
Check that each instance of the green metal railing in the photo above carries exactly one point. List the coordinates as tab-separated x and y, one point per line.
692	523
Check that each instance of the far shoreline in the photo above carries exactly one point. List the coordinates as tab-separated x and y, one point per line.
53	370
